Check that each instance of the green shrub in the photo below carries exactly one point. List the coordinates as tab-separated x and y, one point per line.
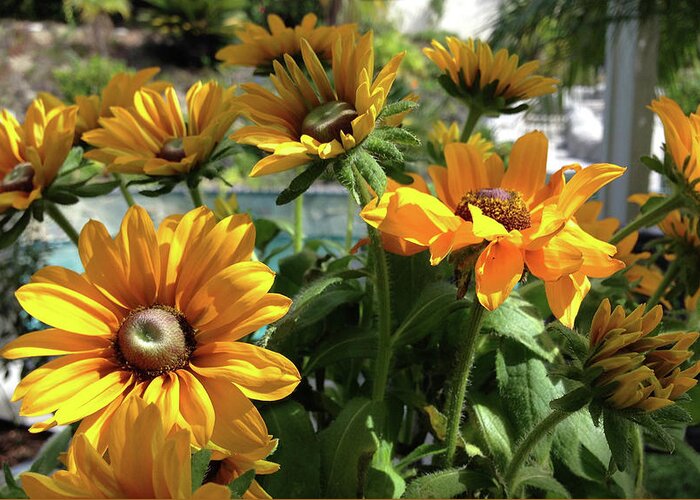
685	88
86	77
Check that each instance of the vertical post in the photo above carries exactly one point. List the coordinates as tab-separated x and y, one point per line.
631	55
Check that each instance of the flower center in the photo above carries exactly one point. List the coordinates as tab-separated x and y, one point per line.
325	122
20	178
154	340
504	206
172	150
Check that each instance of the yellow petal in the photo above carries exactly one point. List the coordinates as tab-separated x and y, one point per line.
498	270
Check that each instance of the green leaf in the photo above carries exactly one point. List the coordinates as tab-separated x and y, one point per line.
429	309
265	231
572	401
494	431
371	171
397	135
8	237
240	485
419	453
397	107
352	346
382	151
165	188
299	452
199	467
620	434
672	414
518	320
11	488
95	189
301	182
342	170
542	480
581	447
383	480
61	197
448	483
333	297
47	459
346	449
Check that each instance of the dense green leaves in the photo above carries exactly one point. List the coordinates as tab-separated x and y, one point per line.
447	483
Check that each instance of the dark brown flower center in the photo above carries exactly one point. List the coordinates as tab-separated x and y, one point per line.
504	206
20	178
172	150
154	340
325	122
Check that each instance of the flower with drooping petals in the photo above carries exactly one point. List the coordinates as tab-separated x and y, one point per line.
260	47
32	153
504	221
158	314
309	118
153	137
441	135
145	461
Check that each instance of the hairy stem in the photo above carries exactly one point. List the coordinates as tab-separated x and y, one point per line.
470	124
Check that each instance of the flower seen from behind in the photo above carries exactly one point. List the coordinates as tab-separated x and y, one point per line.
310	118
153	137
145	460
260	47
501	221
31	153
157	314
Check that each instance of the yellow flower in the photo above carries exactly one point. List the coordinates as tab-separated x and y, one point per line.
636	370
31	153
510	218
153	138
158	315
145	461
441	135
303	123
119	91
682	134
233	467
488	80
261	47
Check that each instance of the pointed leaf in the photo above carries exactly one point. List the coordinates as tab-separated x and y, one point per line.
199	467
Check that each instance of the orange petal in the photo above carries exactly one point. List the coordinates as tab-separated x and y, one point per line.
565	296
527	167
498	269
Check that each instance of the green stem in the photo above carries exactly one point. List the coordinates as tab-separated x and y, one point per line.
196	196
125	192
299	224
670	274
470	124
383	299
62	222
460	379
639	450
534	437
349	223
648	218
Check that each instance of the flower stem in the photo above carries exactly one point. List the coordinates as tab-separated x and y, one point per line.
349	223
196	196
648	218
639	450
534	437
470	124
460	379
670	274
383	299
299	224
62	222
125	192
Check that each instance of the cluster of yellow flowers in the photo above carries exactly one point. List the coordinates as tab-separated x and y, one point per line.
149	336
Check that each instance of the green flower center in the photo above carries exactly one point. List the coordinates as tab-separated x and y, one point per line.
325	122
172	150
154	340
504	206
20	178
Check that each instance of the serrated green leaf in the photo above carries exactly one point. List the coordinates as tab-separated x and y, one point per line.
620	434
199	466
301	182
383	480
448	483
298	477
519	321
342	170
347	446
429	309
540	479
397	107
370	171
240	485
397	135
47	458
352	346
382	150
671	414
